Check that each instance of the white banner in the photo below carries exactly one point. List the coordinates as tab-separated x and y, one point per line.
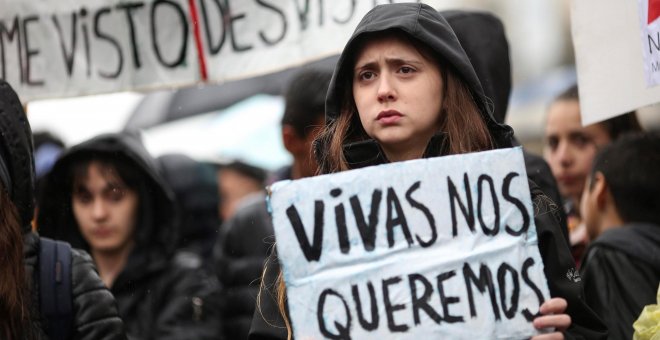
73	47
617	53
442	248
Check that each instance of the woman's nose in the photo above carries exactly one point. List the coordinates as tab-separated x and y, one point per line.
99	209
386	91
565	154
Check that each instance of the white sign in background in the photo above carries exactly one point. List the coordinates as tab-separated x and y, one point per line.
72	48
615	73
649	29
414	267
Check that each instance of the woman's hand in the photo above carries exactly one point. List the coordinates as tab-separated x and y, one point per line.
552	316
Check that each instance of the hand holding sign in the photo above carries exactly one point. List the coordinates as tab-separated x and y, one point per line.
444	246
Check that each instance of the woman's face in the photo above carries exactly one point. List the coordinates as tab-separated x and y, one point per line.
105	209
398	94
570	148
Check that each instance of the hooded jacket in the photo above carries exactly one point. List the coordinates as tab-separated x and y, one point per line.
95	313
423	23
621	272
160	295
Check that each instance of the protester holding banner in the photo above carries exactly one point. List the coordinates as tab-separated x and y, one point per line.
570	148
404	89
621	268
106	195
93	313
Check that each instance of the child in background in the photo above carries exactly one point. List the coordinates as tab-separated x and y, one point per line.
620	205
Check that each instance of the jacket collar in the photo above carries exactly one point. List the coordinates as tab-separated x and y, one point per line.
368	152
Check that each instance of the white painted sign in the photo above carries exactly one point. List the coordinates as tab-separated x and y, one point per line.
649	13
72	47
442	248
617	53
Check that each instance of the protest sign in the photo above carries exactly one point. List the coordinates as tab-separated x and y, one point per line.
617	54
443	247
73	47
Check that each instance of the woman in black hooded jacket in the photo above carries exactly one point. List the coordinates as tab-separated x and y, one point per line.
161	294
356	135
94	311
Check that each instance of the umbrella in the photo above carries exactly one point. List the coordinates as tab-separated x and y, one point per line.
248	131
164	106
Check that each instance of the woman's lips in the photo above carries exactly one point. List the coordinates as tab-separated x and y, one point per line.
102	232
567	180
389	117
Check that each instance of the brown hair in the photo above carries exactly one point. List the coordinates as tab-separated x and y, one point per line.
14	301
278	291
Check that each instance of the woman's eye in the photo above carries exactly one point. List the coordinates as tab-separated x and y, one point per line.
406	69
581	140
82	197
116	194
366	75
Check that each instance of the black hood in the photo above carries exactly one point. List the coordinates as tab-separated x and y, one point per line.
195	186
423	23
638	240
483	38
17	168
155	234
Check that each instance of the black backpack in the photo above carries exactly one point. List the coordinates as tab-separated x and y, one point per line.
55	292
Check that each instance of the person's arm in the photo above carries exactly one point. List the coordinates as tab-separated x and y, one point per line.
95	314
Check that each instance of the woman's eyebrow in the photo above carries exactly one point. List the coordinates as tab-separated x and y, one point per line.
368	64
389	61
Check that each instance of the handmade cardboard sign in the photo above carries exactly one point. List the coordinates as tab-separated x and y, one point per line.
443	248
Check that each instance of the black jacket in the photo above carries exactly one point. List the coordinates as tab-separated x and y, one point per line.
196	189
621	272
161	294
426	25
94	308
239	257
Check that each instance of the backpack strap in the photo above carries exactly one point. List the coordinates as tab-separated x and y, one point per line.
55	291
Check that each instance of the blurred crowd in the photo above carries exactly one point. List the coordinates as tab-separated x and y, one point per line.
175	248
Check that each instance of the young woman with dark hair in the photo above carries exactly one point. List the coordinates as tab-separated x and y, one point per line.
404	89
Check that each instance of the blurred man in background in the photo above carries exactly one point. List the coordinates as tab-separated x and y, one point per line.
236	181
106	196
246	237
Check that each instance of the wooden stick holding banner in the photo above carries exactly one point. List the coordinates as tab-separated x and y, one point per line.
444	247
